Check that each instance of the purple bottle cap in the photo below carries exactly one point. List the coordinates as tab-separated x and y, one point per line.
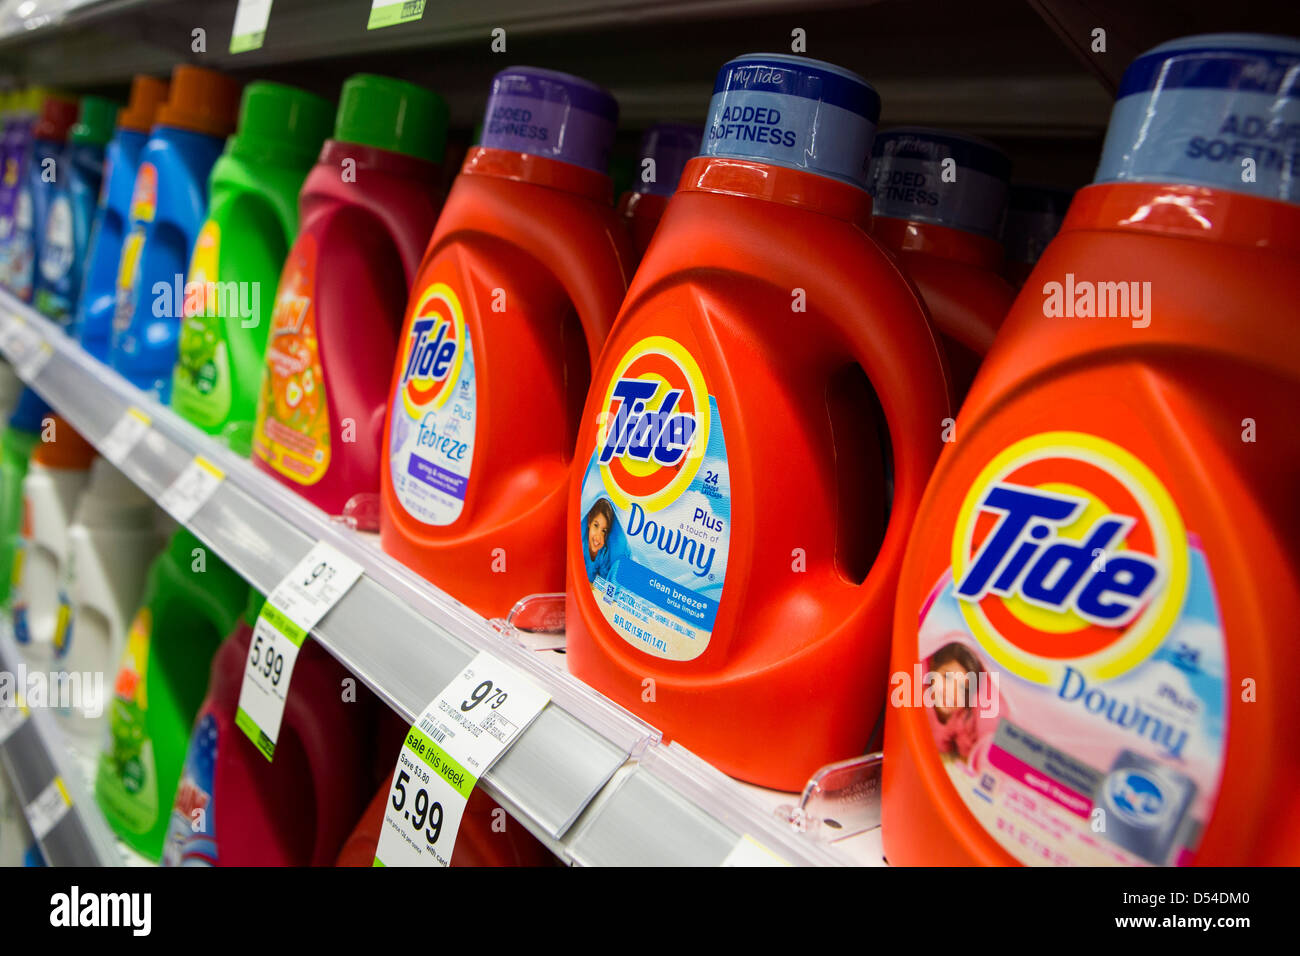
551	114
671	146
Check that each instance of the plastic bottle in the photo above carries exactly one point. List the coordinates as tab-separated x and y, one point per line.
1110	559
21	119
668	147
55	479
16	444
1034	216
252	221
367	209
253	810
756	440
36	191
938	204
517	291
168	205
93	324
71	214
191	602
115	535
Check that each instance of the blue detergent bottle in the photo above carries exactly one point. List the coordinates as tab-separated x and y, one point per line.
66	230
92	325
168	208
36	188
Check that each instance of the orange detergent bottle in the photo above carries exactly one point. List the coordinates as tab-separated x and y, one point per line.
521	281
1093	635
366	211
666	148
937	202
756	441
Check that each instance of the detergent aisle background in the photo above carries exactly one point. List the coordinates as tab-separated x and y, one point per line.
1110	539
708	463
93	322
168	204
367	209
517	291
252	220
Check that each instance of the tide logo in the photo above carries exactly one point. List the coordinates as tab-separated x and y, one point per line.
144	197
653	424
434	350
1069	550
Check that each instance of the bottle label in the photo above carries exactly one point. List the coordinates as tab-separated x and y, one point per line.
293	419
1072	663
1212	117
655	527
22	248
144	204
433	414
201	388
192	830
127	784
949	181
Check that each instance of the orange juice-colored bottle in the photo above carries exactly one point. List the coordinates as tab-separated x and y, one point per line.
1092	637
508	311
756	440
938	201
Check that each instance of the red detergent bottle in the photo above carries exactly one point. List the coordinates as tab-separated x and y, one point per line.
517	291
233	807
938	200
733	539
366	211
1093	634
666	148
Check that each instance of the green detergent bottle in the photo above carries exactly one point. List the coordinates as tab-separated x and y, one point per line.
235	266
191	602
20	436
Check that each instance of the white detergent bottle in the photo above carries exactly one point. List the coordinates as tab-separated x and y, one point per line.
59	472
114	537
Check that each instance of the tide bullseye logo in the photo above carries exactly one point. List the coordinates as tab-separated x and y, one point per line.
1069	550
434	351
653	424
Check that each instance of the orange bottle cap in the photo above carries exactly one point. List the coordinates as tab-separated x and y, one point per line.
148	93
68	450
201	101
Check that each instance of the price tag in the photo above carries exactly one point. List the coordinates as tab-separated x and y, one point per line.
749	852
296	606
125	435
12	716
45	812
249	30
455	740
191	489
389	13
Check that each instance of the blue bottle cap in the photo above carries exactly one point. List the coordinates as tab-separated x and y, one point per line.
931	175
551	114
795	112
671	146
1219	110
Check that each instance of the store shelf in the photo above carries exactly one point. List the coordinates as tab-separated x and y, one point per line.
32	756
588	778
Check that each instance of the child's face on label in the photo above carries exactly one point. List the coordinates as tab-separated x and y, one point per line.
597	530
955	692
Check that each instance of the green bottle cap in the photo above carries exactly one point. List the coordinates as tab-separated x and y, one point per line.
393	115
95	122
281	123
